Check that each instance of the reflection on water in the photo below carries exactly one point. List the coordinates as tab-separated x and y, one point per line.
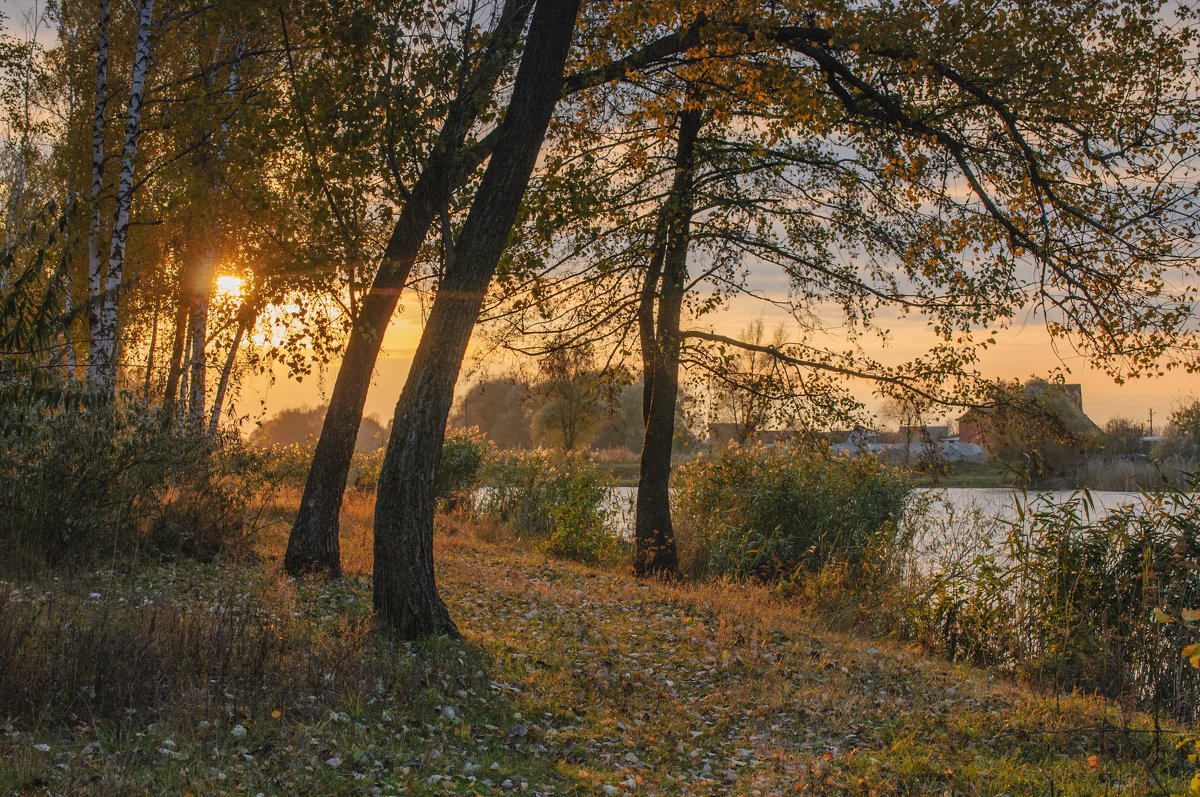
954	525
1003	501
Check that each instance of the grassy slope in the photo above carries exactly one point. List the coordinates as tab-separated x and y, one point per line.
571	681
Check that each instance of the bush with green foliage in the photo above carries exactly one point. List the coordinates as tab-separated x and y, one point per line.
87	480
286	464
464	454
778	514
364	471
567	504
1068	596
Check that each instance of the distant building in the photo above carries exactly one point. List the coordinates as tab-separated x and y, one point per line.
730	432
972	422
970	426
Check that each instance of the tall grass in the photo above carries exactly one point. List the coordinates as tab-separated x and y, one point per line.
1111	473
206	646
783	514
1068	597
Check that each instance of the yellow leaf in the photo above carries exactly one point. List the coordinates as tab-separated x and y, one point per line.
1162	617
1190	615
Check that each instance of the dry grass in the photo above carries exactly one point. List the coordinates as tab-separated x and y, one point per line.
573	680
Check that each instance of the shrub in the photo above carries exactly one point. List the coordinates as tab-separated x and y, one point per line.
1070	599
779	513
566	504
464	453
285	464
85	483
365	468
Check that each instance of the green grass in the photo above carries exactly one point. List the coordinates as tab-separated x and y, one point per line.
570	680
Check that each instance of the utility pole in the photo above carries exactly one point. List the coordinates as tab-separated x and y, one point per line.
1151	423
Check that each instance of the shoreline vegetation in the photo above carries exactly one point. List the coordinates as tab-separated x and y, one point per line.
1115	475
801	651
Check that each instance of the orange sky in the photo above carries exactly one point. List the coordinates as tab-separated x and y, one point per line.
1020	353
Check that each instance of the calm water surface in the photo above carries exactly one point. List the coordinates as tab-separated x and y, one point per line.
960	502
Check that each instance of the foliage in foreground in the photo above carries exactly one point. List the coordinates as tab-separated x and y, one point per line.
86	480
781	514
566	504
1068	595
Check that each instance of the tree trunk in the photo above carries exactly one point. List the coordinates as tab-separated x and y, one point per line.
215	418
197	399
176	417
95	272
175	369
102	363
313	542
654	551
150	352
66	332
405	589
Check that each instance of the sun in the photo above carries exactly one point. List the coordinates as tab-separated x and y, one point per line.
230	287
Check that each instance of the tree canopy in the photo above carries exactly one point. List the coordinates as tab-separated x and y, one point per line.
592	183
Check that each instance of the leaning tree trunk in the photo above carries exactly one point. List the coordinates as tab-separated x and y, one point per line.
405	590
654	549
175	368
313	542
246	320
102	363
150	353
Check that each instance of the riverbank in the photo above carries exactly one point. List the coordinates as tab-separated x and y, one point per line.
570	680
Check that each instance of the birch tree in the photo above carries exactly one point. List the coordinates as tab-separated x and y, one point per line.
102	354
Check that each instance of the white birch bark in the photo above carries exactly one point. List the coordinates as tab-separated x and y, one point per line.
67	342
105	354
95	267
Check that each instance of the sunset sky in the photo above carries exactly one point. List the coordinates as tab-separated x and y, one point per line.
1020	353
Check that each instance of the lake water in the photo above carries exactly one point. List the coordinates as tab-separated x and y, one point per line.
963	504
